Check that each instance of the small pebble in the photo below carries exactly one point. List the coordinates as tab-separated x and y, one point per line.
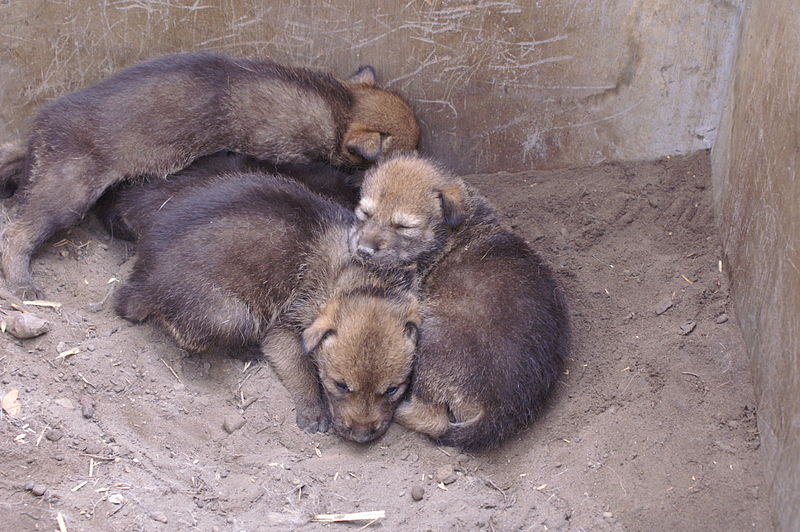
232	423
445	474
26	325
608	515
29	485
93	448
63	402
90	347
87	406
39	489
417	493
54	434
688	327
664	305
722	318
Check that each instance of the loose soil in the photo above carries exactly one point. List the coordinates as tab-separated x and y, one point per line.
652	426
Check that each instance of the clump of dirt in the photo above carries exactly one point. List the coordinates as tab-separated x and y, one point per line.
651	427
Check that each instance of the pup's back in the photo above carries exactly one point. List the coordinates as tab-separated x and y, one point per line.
127	209
494	337
219	261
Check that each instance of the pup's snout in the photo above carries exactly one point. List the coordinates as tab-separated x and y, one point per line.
364	433
365	251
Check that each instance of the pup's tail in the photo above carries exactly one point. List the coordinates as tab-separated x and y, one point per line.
12	167
483	431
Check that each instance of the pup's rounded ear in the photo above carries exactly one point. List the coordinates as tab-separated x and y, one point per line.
411	331
313	337
364	75
319	330
366	144
454	203
412	325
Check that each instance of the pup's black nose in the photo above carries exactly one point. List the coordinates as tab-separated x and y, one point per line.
362	434
365	252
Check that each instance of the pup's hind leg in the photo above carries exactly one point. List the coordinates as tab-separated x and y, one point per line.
420	416
55	198
298	374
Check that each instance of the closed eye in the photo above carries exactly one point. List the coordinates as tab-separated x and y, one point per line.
361	214
390	391
342	387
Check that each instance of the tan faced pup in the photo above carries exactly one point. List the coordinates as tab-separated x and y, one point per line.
357	347
406	214
154	118
495	328
251	260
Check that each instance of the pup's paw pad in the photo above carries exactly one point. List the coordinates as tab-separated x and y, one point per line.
312	419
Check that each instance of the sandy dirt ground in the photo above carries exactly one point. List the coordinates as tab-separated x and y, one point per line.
652	426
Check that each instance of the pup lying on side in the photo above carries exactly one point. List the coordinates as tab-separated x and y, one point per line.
154	118
495	330
242	260
126	214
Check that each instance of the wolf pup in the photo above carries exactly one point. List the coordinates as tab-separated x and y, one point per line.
252	260
154	118
125	214
495	329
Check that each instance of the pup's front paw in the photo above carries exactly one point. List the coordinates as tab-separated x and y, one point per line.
312	418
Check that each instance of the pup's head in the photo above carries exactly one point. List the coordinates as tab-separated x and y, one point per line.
382	122
363	344
407	209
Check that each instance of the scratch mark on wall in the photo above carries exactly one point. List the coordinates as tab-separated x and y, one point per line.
440	102
595	121
533	64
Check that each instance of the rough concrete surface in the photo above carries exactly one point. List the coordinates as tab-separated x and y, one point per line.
499	84
757	193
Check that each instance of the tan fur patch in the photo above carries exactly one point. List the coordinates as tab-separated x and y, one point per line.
382	124
364	354
407	208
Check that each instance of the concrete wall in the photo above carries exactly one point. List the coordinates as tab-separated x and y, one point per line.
755	163
499	84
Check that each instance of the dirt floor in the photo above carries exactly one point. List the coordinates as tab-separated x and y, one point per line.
652	427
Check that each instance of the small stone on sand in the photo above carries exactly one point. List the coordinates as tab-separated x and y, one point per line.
63	402
232	423
445	474
158	516
417	493
664	305
26	325
87	406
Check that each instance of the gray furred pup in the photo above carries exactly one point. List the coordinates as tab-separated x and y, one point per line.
155	117
237	261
